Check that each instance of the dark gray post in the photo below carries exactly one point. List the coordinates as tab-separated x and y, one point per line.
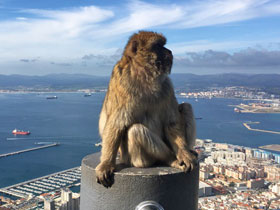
171	188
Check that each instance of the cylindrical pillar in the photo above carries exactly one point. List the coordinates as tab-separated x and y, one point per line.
169	187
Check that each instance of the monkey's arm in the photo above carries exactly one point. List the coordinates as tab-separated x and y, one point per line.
111	138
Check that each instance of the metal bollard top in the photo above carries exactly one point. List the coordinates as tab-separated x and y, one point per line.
149	205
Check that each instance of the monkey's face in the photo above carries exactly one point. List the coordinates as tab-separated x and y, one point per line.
147	50
160	57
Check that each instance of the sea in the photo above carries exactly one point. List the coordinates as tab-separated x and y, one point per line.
72	120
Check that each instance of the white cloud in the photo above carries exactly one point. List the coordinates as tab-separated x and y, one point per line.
250	60
144	15
141	15
71	33
207	13
21	18
232	46
74	22
249	57
51	33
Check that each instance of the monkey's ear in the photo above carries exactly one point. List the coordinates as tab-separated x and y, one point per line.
131	49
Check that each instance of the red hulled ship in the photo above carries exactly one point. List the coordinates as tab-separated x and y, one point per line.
18	132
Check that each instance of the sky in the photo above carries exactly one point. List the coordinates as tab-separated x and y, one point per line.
39	37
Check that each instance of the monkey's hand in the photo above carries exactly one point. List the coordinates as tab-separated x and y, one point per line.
186	160
105	174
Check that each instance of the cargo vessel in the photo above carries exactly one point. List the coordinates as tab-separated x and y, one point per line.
18	132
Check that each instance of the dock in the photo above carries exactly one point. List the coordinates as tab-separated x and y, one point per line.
28	150
259	130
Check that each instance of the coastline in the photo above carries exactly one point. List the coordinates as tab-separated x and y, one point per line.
272	147
242	108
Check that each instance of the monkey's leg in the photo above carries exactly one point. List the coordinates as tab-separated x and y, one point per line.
145	147
124	156
188	121
181	139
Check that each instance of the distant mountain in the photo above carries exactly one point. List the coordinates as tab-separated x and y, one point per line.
223	80
189	81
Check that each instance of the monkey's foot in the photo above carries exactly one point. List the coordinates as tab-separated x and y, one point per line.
105	174
186	160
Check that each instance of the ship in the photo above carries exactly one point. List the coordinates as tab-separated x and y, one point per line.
51	97
98	144
87	95
19	132
237	110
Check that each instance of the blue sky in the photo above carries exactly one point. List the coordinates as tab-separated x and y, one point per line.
39	37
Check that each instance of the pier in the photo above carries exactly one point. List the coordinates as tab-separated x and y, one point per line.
28	150
259	130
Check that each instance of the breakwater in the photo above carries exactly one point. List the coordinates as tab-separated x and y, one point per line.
259	130
28	150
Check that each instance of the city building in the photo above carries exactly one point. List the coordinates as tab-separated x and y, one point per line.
69	200
49	203
273	172
203	175
204	189
255	183
277	158
276	189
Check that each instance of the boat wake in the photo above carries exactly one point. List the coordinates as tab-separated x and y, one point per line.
14	139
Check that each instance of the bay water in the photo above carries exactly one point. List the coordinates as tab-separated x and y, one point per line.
72	120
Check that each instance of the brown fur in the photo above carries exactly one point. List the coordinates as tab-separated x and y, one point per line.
140	116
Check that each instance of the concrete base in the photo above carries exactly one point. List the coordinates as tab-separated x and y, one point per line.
170	187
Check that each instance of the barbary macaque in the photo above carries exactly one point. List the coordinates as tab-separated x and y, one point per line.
141	117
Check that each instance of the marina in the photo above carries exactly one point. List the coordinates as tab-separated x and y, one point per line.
28	150
45	184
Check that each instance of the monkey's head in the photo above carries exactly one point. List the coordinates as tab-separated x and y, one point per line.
146	49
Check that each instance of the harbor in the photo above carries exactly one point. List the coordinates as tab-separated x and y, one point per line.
28	150
45	184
